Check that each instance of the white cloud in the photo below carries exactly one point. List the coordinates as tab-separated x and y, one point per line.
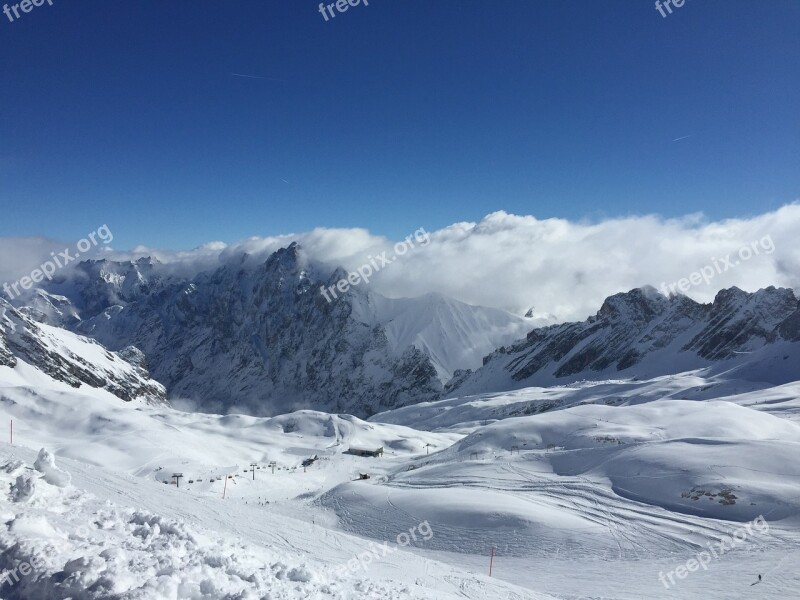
568	268
19	256
517	262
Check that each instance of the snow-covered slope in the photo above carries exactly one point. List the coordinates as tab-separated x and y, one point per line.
626	492
464	413
644	334
633	488
115	530
52	309
452	334
40	356
110	536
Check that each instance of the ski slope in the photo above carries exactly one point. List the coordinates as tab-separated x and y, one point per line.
586	491
123	537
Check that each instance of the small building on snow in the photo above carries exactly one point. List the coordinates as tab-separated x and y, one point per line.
366	452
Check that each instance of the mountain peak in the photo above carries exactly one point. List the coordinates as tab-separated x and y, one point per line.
639	303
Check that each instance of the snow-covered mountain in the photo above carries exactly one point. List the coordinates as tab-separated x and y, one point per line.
644	334
452	334
47	357
258	336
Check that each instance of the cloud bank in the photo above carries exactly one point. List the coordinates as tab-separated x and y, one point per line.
555	266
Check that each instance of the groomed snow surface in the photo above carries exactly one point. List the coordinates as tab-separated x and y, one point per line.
594	496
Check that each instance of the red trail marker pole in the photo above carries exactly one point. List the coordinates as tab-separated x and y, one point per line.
491	562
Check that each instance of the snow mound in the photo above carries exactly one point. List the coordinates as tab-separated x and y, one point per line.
46	464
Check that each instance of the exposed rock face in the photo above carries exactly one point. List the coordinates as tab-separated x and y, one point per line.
642	332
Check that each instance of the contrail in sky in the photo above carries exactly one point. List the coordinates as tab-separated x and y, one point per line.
682	138
256	77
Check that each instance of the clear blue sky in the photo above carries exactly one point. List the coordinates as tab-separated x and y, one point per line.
393	116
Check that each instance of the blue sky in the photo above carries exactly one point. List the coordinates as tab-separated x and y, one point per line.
393	116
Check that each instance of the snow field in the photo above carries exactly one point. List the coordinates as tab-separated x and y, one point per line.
594	502
85	546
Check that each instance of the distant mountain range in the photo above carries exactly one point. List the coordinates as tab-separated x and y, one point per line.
644	334
257	336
